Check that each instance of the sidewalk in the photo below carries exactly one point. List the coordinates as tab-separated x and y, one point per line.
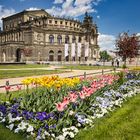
73	73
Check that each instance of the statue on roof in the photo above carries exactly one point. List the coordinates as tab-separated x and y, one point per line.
87	19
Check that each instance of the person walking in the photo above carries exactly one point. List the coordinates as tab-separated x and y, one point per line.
112	63
117	61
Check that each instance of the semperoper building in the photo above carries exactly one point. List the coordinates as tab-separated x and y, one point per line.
38	36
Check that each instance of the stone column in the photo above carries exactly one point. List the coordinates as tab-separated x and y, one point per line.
4	57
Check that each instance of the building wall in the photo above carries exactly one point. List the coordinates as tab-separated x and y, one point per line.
30	41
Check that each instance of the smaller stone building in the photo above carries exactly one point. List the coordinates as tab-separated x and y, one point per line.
38	36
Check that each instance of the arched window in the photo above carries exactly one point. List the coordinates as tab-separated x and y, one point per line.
51	52
66	39
59	39
73	39
18	55
51	55
51	38
59	58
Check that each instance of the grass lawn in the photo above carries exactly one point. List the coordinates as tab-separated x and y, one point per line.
84	67
24	73
6	134
134	68
22	66
123	124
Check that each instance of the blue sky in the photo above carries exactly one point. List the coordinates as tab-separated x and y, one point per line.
111	16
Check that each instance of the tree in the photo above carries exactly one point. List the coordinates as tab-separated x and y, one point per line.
127	46
104	56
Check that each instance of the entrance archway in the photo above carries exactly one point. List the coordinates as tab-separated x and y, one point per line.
51	55
18	55
59	56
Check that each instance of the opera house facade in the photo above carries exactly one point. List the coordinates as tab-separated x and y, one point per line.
38	36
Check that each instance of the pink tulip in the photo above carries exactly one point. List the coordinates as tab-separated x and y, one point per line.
88	93
19	87
7	88
82	95
66	101
73	97
60	107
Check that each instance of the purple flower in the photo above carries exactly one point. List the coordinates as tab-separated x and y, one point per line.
51	115
80	120
41	116
14	112
46	127
28	115
16	106
3	109
39	131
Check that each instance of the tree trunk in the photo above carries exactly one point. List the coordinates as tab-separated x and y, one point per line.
125	61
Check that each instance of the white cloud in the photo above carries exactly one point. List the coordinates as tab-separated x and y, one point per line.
4	12
96	2
138	34
58	1
106	42
73	8
82	2
32	8
67	4
98	17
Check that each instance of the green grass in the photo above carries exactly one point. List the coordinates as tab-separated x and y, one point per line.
22	66
123	124
134	68
83	67
24	73
6	134
14	94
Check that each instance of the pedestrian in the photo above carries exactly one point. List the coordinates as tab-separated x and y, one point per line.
112	63
117	63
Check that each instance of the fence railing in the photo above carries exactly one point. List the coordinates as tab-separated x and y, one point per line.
81	75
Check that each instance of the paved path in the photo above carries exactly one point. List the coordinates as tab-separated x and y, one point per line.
16	81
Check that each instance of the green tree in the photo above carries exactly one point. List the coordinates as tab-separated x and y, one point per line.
104	56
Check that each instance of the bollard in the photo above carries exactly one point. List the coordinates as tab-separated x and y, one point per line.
7	87
114	69
84	75
7	83
102	72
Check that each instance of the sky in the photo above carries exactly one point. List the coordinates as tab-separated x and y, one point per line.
111	16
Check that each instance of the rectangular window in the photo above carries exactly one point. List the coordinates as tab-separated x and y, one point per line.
55	22
50	21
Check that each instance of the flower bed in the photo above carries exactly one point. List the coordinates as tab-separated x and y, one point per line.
53	81
59	114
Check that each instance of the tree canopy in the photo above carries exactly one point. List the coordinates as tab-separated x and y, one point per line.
104	56
127	46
